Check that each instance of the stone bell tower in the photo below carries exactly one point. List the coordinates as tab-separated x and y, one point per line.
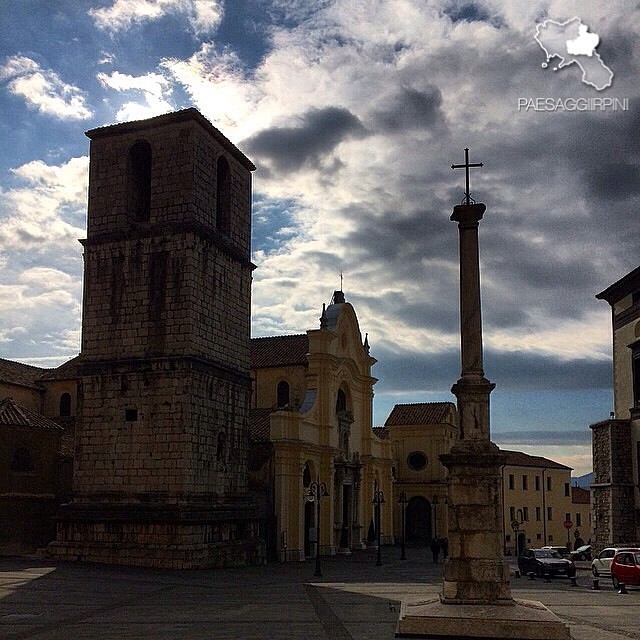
160	472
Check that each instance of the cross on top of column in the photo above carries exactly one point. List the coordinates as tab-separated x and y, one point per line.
466	166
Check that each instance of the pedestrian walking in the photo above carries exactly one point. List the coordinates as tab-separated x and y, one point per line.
435	549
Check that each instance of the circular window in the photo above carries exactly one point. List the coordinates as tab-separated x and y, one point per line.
417	460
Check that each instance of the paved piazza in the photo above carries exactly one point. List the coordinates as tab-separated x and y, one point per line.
354	600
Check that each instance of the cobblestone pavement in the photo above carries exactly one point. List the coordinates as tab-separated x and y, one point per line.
354	600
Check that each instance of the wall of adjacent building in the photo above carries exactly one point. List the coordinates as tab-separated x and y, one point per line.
541	506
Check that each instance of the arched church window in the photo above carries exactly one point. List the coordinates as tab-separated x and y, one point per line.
140	180
306	476
282	394
65	405
341	401
223	195
221	448
21	460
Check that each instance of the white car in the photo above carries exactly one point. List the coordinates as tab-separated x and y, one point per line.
601	564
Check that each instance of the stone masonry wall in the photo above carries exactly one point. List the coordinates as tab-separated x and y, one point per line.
612	488
183	180
160	473
166	295
144	431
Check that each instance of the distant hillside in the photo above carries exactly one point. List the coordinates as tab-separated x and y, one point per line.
583	481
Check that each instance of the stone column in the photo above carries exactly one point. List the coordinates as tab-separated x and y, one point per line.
475	576
475	571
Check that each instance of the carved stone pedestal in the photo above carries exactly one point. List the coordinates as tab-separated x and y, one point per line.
475	572
521	620
476	598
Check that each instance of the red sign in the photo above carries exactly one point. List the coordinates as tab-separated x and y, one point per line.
567	524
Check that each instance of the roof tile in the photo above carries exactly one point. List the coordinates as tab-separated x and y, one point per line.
381	432
520	459
279	351
419	413
260	425
14	415
19	373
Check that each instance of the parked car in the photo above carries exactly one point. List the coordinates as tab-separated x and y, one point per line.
563	551
545	562
601	564
581	553
625	567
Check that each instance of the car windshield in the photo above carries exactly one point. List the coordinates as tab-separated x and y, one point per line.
637	558
546	553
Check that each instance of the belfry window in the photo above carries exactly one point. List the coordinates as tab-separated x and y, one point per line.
65	405
223	196
140	181
341	401
221	448
282	394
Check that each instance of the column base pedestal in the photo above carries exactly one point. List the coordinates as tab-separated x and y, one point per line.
515	619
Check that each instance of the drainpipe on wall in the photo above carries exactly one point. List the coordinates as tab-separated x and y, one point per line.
544	509
504	539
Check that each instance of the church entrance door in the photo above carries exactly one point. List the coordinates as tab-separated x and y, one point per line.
418	524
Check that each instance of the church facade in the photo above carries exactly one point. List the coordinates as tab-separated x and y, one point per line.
615	490
315	459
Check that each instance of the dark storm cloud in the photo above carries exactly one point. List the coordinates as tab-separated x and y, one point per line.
471	12
550	218
516	267
616	51
615	181
394	235
320	132
511	371
410	109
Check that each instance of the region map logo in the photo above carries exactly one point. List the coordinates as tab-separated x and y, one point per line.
571	42
566	43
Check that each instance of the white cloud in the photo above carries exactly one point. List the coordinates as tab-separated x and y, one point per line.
155	90
217	84
44	89
203	15
47	212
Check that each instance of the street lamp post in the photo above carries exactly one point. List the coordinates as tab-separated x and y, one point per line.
435	502
515	525
317	491
402	501
378	499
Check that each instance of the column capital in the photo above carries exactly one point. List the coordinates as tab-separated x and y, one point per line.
468	214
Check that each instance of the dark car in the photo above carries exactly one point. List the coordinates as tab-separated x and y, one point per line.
581	553
625	567
543	562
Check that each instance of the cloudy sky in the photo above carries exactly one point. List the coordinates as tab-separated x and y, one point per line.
353	111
